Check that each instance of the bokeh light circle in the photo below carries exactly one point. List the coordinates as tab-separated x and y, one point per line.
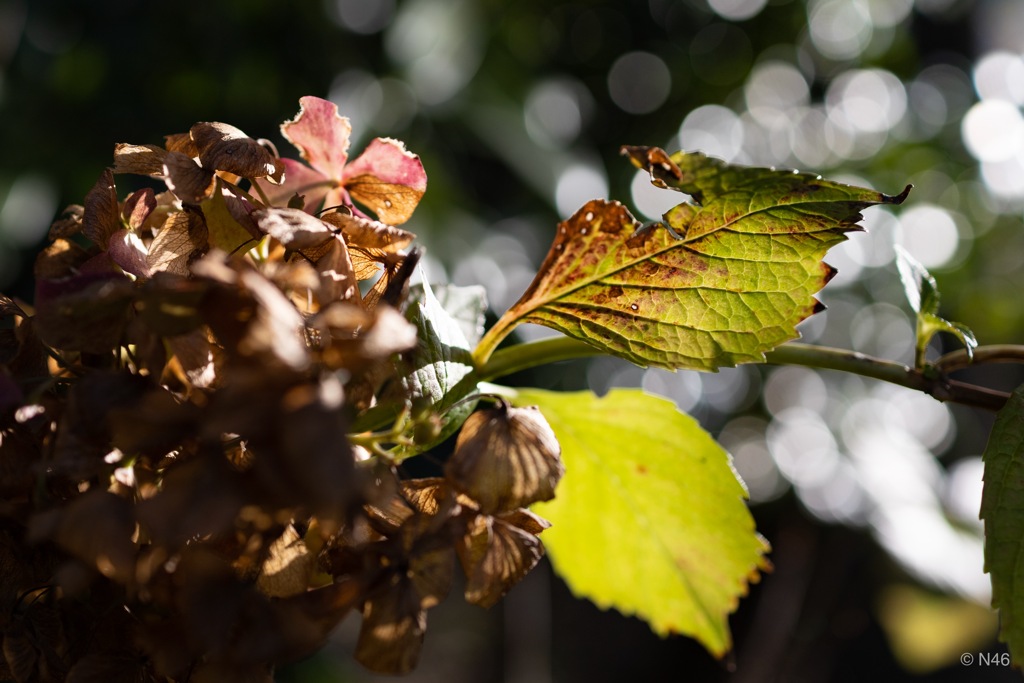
639	82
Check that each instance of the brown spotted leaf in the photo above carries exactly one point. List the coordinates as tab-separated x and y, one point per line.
719	282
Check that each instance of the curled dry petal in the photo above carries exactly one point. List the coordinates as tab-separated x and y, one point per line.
181	142
278	328
138	207
68	223
180	241
139	159
129	252
223	147
495	555
355	337
506	458
392	632
197	357
186	179
287	570
337	277
293	228
101	217
61	259
368	234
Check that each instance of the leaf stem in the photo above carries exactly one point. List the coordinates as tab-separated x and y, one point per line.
994	353
932	381
531	354
494	336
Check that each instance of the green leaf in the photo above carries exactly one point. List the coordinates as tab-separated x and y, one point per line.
649	517
441	366
720	282
467	306
923	294
1002	509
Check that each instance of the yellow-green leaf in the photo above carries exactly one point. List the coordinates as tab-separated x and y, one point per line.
649	518
225	232
718	282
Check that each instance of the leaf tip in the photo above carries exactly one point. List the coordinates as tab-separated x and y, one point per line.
898	199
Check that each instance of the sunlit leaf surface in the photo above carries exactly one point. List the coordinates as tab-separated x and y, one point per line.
719	282
649	517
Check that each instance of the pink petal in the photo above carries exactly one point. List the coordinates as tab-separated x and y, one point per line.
389	162
387	179
321	135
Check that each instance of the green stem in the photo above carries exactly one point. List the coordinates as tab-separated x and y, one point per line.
933	381
494	336
531	354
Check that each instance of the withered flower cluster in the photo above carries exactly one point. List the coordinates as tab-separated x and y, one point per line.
181	497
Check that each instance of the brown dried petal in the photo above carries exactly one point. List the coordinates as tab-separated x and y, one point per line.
392	632
223	147
101	217
208	133
526	520
197	497
337	278
287	570
153	425
169	304
87	312
96	527
186	179
69	223
181	142
293	228
382	336
495	556
278	327
181	240
314	460
60	259
197	356
139	159
506	458
369	234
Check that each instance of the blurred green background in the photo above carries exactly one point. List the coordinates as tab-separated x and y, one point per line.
869	494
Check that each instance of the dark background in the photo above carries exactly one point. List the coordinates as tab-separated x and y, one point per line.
516	109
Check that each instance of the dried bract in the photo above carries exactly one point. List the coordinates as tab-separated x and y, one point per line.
506	458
